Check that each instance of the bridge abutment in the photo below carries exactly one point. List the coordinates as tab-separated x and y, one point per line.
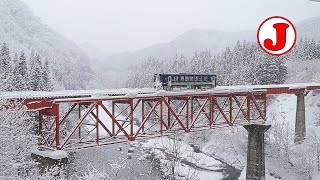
49	159
255	151
300	125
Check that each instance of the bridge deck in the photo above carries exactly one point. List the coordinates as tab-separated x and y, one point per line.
98	117
271	89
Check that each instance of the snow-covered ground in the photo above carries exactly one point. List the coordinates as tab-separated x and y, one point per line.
284	159
111	162
187	163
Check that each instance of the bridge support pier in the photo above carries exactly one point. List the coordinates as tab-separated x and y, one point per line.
49	159
300	126
255	152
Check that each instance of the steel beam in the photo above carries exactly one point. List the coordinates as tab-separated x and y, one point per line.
161	115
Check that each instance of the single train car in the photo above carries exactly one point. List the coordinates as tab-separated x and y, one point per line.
184	80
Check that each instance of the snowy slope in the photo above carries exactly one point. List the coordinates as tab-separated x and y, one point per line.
191	41
203	39
308	70
301	161
21	30
186	44
309	28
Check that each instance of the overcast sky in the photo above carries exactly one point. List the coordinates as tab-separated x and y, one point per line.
126	25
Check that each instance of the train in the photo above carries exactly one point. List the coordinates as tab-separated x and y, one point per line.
184	80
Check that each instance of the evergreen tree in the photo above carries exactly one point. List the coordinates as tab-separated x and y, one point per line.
5	69
36	79
15	60
318	51
46	77
299	49
271	70
313	49
195	60
21	80
183	64
32	59
205	64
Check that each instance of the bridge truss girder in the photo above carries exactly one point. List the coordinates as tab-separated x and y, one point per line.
91	122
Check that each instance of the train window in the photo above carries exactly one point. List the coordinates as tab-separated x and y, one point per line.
169	78
195	78
181	78
200	78
205	78
191	78
176	78
186	78
212	78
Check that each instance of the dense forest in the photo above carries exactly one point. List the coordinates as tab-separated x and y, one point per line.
244	64
23	73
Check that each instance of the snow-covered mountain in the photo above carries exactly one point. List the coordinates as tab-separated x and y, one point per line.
23	31
186	44
309	28
195	40
199	40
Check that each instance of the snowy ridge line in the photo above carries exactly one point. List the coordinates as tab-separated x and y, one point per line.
126	92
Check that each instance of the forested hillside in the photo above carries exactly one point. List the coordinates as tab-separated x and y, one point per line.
22	31
22	72
245	63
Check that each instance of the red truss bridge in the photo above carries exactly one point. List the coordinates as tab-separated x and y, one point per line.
80	119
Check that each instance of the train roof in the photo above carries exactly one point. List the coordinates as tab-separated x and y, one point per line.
186	74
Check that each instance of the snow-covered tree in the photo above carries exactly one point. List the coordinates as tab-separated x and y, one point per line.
246	63
16	141
15	59
34	68
46	78
16	74
37	79
5	69
21	79
271	70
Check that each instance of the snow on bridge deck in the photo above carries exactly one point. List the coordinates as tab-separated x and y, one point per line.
113	112
71	93
270	89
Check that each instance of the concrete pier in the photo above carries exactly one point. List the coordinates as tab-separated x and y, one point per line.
255	152
300	126
49	159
